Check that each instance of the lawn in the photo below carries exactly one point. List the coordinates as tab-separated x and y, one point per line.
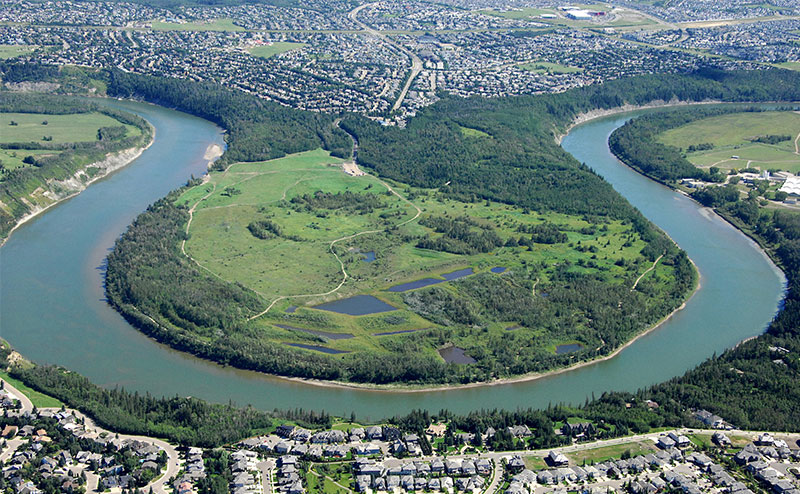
38	399
81	127
11	51
534	463
596	455
731	136
272	49
212	25
549	68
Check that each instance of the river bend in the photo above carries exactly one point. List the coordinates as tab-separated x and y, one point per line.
52	308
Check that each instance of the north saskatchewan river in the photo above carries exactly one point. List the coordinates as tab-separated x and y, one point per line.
52	308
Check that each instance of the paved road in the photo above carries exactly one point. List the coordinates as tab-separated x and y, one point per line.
416	62
11	446
159	486
265	467
27	405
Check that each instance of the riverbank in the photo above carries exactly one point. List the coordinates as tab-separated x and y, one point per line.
74	185
582	118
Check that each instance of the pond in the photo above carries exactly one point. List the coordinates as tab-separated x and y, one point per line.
498	269
413	285
403	331
369	256
568	348
317	348
455	355
324	334
360	305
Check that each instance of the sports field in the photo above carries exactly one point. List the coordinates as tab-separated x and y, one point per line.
287	229
733	139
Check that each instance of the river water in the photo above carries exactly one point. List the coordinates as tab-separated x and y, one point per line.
52	308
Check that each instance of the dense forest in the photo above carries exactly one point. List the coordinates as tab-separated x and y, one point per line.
520	164
67	158
256	129
184	421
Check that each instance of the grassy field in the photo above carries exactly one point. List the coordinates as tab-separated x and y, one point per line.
523	13
470	132
273	49
296	258
38	399
731	135
11	51
789	65
604	453
549	68
213	25
80	127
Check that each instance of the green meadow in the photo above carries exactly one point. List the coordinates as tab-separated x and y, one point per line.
319	216
11	51
733	134
31	127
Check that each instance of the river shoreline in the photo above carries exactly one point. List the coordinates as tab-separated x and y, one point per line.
404	388
116	161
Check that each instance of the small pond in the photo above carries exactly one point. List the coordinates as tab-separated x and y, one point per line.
360	305
461	273
369	256
568	348
514	327
398	332
498	269
413	285
455	355
324	334
317	348
291	309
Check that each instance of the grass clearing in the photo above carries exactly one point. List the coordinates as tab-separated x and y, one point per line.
272	49
39	400
13	51
212	25
596	455
534	463
731	135
470	132
549	68
30	127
